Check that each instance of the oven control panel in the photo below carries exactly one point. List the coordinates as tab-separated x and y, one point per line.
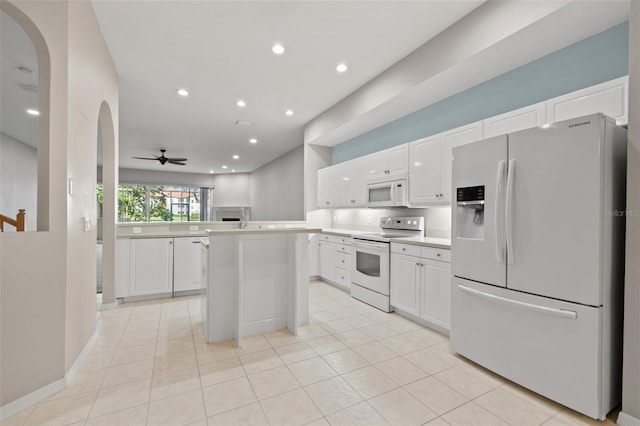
415	223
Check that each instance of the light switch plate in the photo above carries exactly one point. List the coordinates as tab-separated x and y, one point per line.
88	224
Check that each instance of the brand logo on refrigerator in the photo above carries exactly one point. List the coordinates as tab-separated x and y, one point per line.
582	123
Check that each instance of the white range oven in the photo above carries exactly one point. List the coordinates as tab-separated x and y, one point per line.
370	259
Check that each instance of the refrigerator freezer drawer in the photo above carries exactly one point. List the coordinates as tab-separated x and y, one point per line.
548	346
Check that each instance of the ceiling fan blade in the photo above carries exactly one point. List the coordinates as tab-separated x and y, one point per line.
177	159
176	162
144	158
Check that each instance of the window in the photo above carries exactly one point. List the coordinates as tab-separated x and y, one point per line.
155	203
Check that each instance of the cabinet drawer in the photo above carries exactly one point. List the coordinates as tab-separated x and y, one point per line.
432	253
344	240
343	277
329	238
343	260
408	249
341	248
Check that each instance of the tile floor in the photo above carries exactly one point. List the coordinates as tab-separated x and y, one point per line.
352	365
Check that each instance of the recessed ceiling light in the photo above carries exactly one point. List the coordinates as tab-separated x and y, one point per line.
288	112
342	67
233	170
210	171
33	112
183	92
253	140
224	167
235	157
240	103
277	48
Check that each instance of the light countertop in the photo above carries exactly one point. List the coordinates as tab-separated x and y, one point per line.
264	230
443	243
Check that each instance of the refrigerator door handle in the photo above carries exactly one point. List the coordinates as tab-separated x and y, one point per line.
510	177
499	213
528	306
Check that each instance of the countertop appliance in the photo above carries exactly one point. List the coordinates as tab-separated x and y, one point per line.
388	191
370	259
538	259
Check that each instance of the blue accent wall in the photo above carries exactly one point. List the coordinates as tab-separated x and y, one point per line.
599	58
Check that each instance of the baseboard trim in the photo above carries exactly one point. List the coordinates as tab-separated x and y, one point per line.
625	419
14	407
80	358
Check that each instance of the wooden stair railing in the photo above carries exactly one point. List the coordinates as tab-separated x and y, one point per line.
18	222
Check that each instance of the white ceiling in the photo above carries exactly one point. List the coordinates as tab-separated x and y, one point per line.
220	52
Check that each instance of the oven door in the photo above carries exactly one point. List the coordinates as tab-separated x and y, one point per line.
370	265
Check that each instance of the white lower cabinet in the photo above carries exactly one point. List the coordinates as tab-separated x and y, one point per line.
420	284
335	260
186	263
405	283
157	266
151	266
327	260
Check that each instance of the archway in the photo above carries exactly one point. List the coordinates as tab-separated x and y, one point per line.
109	154
41	142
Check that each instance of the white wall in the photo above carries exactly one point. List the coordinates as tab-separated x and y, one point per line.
47	298
631	354
18	180
277	188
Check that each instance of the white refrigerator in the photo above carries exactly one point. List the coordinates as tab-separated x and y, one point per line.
538	259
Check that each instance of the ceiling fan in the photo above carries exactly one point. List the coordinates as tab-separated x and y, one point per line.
163	160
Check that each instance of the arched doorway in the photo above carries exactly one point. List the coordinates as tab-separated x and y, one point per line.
25	116
109	162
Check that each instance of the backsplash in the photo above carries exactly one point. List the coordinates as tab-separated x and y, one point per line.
437	219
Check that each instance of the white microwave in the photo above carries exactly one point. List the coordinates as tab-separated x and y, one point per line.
388	191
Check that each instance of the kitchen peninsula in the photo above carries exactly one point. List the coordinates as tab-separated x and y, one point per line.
256	280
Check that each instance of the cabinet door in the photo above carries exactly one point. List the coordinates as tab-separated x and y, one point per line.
610	98
377	164
333	188
151	266
450	139
436	293
398	159
405	283
186	263
323	188
328	260
512	121
424	170
353	186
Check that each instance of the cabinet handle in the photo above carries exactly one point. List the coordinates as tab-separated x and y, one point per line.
438	254
404	249
195	242
353	201
326	202
170	242
417	263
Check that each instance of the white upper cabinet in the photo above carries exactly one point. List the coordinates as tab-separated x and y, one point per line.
450	139
390	161
610	98
424	170
323	187
329	186
352	182
512	121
